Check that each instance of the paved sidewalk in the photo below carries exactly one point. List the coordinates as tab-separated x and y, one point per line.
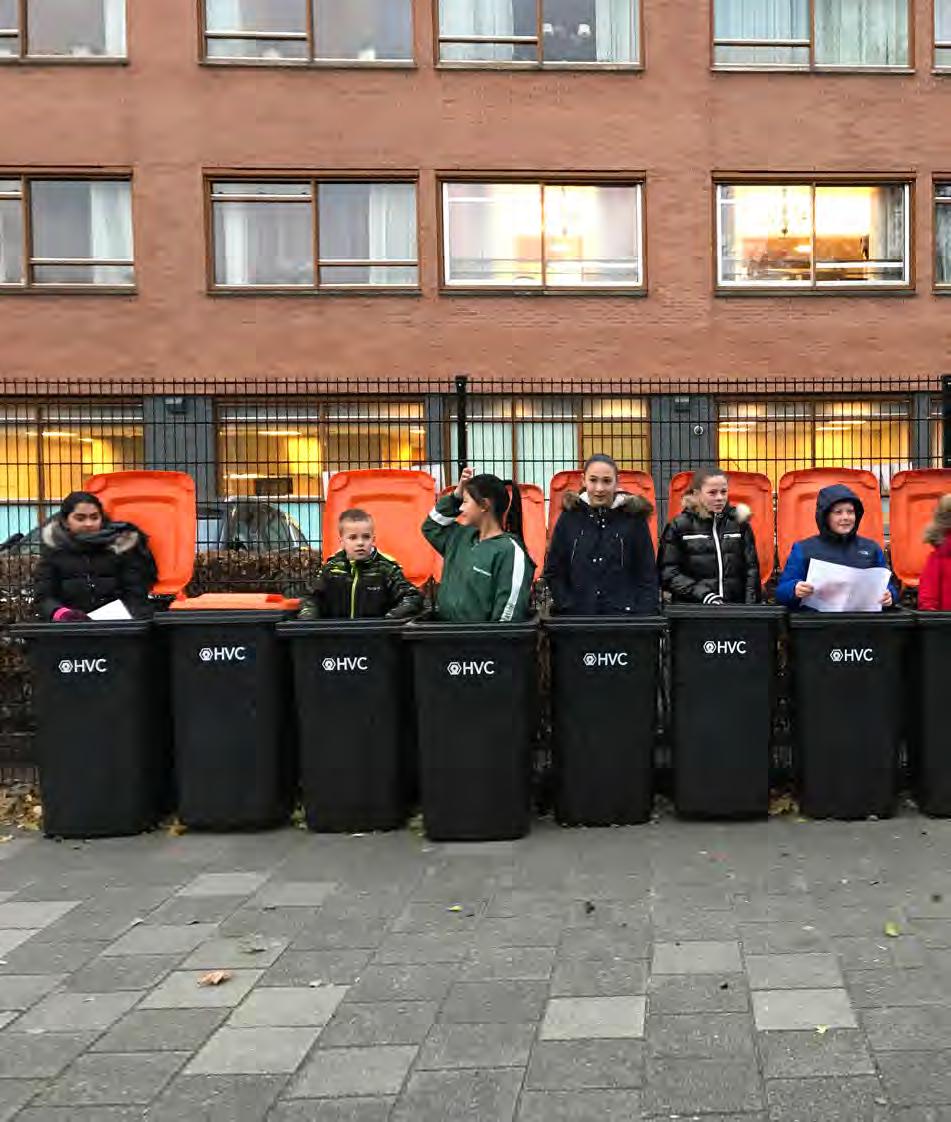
785	970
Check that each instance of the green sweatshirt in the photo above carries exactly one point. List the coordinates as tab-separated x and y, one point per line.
482	581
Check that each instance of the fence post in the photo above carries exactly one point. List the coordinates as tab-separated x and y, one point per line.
946	421
462	427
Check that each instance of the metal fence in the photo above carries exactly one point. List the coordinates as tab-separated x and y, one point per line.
262	452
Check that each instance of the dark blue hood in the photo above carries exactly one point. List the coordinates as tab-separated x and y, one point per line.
826	500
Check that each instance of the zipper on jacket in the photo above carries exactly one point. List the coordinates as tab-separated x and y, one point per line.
353	590
716	543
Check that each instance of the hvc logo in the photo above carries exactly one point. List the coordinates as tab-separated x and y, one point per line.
852	654
83	666
606	658
472	669
346	662
224	654
725	647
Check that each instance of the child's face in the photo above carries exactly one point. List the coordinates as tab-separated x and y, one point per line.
358	540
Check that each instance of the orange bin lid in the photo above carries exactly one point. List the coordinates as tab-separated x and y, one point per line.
162	505
634	482
237	601
398	501
796	506
914	495
751	488
533	526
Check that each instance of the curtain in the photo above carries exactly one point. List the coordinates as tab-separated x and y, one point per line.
391	222
887	235
942	21
114	28
942	237
110	230
762	19
477	17
233	259
861	32
544	449
614	30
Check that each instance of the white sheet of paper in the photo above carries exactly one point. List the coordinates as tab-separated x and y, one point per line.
115	609
841	589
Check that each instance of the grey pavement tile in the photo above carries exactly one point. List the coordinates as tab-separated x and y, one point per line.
916	1078
267	922
332	1110
802	1009
181	990
398	982
864	952
935	933
903	1029
34	915
669	927
797	1055
425	916
871	989
868	921
338	1072
459	1096
224	884
610	943
483	850
591	1018
294	893
478	1046
782	938
77	1012
922	1114
161	939
13	937
698	993
793	971
518	932
580	1106
526	904
707	1036
424	949
596	977
122	972
697	957
113	1079
688	1086
379	1023
8	1017
49	958
217	1098
325	933
487	963
20	991
288	1007
81	1114
509	1001
39	1055
161	1030
300	968
822	1100
14	1094
253	1051
567	1065
236	954
183	910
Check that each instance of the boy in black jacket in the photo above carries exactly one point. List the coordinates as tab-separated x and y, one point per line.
359	582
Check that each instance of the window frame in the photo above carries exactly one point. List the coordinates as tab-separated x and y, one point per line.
313	179
907	180
638	65
24	58
938	44
309	36
813	67
940	288
636	179
29	287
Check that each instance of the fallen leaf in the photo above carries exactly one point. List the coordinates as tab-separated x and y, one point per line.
456	908
214	978
6	838
253	947
822	1029
176	829
892	930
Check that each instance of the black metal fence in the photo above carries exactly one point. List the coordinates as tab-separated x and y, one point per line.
262	453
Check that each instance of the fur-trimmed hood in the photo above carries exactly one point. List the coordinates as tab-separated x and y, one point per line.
118	537
623	501
940	527
693	503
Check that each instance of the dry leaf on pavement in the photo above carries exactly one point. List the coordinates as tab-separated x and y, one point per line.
214	978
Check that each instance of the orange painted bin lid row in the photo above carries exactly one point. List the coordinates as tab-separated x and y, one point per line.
914	496
796	504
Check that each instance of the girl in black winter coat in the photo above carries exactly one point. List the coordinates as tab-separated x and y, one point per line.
86	561
708	552
601	559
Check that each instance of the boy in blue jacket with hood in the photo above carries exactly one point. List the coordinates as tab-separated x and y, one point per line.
839	514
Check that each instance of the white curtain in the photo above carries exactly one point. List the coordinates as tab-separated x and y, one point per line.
942	21
614	30
236	257
224	15
887	235
862	32
110	229
392	230
477	17
113	19
761	19
942	237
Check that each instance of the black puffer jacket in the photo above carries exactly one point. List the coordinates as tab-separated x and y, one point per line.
370	589
601	560
85	572
705	559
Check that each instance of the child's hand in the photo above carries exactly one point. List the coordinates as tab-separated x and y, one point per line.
887	600
467	474
803	589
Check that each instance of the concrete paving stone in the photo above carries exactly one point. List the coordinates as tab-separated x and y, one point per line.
793	971
113	1079
459	1096
328	934
160	938
858	1099
39	1055
13	937
77	1012
20	991
922	1114
14	1094
934	933
916	1078
707	1036
575	1065
782	938
253	1051
580	1106
919	1029
294	893
161	1030
478	1046
7	1018
122	972
180	990
863	952
518	932
525	964
696	958
802	1054
385	1022
403	983
49	958
182	910
501	1001
217	1098
871	989
338	1072
698	993
300	968
589	1018
424	916
679	1086
483	850
424	949
258	952
332	1110
869	921
224	884
82	1114
696	927
583	977
525	904
288	1007
33	916
267	922
611	943
802	1009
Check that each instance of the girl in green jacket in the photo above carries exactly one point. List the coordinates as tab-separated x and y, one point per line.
487	574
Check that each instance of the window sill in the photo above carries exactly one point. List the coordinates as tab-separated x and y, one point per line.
68	290
302	64
541	67
64	60
844	290
536	293
942	289
310	293
851	71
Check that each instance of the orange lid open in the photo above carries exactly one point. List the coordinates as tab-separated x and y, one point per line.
633	482
796	505
237	602
914	496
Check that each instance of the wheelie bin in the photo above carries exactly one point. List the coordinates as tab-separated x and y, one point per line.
477	708
352	690
604	677
723	677
931	750
849	710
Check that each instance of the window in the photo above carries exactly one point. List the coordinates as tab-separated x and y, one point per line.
942	234
812	236
539	32
62	29
307	31
80	233
553	236
307	234
942	33
806	34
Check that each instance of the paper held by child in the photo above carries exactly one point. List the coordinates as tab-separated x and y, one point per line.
839	588
114	610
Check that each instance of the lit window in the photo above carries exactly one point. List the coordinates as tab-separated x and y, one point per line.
542	236
63	29
812	235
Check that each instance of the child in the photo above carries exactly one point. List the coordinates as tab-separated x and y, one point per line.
359	582
934	588
487	577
